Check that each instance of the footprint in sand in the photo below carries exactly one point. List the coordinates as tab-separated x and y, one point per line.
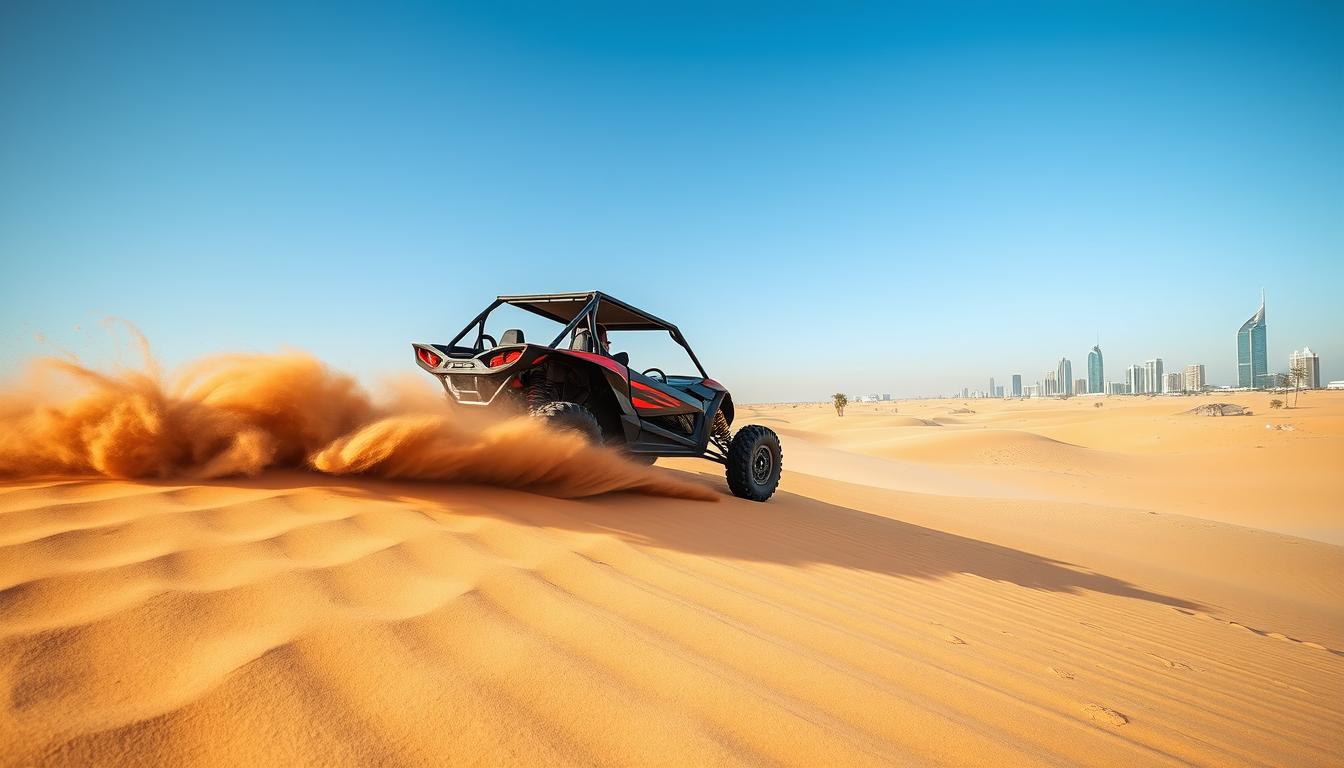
1062	673
1282	684
949	637
1100	714
1170	663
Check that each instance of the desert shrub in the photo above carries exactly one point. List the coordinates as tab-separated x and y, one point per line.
1096	405
1276	403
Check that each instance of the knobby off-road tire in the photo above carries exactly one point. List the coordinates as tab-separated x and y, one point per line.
754	463
570	417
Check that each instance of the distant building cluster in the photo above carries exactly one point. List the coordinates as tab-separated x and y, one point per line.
1150	378
870	398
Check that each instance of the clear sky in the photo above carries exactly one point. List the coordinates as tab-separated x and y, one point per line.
830	197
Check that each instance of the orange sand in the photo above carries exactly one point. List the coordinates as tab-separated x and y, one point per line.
1036	583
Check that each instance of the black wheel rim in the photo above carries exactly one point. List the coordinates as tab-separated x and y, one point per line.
761	464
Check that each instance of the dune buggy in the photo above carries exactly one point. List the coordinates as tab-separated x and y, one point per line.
576	383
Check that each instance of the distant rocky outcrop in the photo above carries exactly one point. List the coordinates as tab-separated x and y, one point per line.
1220	409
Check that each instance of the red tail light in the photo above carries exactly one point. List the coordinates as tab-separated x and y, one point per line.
504	358
427	357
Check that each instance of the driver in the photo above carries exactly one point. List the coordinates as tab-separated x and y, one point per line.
605	345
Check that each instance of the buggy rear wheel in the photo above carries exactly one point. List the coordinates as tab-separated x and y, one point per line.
754	463
570	417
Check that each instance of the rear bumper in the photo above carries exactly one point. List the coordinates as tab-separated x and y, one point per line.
481	379
474	389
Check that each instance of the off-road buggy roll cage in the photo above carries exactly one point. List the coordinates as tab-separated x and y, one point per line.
581	310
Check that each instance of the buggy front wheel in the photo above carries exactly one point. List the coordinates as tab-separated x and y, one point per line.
754	463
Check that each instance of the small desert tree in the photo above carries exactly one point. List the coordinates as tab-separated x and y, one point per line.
840	402
1297	374
1276	403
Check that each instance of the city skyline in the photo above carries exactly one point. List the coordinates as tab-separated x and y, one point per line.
1150	377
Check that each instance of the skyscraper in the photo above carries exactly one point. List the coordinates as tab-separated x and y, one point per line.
1064	375
1174	382
1134	380
1194	377
1252	361
1096	379
1080	386
1051	384
1311	368
991	386
1152	375
1017	385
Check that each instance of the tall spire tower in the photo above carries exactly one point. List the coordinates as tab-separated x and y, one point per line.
1252	359
1096	373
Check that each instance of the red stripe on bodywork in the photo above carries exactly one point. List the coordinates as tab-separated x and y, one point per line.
661	397
712	384
640	402
605	362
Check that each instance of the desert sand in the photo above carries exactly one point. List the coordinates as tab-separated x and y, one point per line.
1033	583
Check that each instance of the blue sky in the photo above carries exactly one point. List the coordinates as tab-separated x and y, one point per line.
902	198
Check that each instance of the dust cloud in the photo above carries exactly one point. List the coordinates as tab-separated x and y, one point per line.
238	415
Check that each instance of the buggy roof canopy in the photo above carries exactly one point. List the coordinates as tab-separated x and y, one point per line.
616	315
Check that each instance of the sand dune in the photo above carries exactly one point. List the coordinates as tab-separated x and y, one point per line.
996	446
1131	453
914	595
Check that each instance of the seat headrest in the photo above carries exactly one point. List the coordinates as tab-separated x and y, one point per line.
580	341
511	336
